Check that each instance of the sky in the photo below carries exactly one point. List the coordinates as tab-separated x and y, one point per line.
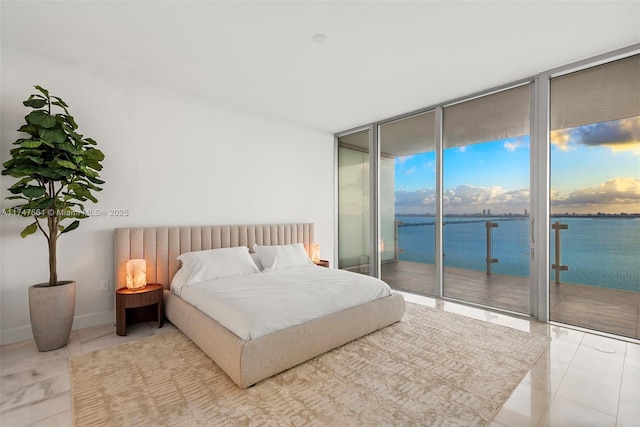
594	168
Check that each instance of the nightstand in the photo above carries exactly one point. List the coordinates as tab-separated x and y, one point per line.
138	306
323	263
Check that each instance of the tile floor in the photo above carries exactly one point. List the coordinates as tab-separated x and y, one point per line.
582	379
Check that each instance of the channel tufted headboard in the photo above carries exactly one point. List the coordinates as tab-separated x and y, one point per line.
160	246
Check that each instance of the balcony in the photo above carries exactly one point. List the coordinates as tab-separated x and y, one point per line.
607	310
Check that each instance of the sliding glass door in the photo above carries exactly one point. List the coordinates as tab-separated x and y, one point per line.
486	200
595	198
354	225
407	203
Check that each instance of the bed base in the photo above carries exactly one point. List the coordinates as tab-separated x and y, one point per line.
248	362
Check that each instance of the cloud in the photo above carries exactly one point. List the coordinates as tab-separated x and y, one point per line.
472	199
403	159
612	196
418	201
618	135
561	138
464	199
515	143
462	149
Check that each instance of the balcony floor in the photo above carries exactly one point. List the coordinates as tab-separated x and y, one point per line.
601	309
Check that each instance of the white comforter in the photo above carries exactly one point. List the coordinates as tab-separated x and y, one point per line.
254	305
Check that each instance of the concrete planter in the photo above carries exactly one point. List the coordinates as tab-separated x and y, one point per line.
51	309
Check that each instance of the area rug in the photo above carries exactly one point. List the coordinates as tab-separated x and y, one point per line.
432	368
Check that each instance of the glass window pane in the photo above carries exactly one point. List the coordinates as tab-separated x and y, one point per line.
486	200
353	202
407	203
595	197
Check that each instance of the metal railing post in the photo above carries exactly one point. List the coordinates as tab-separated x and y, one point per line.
557	266
397	249
490	260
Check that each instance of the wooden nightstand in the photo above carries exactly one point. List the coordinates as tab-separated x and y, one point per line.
140	304
323	263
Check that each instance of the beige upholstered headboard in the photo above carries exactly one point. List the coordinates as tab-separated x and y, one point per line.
161	246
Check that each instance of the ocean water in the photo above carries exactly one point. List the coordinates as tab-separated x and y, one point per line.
603	252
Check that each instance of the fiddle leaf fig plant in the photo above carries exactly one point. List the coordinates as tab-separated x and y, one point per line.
57	170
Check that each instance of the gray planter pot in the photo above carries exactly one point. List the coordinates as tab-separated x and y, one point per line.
51	309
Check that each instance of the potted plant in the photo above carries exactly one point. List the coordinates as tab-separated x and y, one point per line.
57	171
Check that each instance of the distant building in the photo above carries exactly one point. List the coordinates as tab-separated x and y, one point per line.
484	212
488	212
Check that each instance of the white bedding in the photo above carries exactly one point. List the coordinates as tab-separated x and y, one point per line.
253	305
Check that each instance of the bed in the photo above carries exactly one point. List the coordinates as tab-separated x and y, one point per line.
246	361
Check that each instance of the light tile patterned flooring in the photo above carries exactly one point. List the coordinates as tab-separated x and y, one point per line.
582	379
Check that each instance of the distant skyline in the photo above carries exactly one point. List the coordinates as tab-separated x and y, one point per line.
594	168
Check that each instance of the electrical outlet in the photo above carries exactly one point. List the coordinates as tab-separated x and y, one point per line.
105	286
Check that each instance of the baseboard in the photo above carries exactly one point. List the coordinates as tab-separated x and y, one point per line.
93	319
23	333
10	336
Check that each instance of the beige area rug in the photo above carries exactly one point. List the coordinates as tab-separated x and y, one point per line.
432	368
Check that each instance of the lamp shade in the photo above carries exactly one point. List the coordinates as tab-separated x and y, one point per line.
315	252
136	273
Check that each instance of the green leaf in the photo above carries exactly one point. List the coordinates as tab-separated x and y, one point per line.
29	229
83	194
63	164
48	144
15	198
30	129
33	192
7	165
21	171
35	102
88	185
52	135
36	159
71	226
95	180
94	154
88	172
22	182
29	143
67	146
52	174
70	213
60	102
71	121
42	204
42	90
93	164
41	118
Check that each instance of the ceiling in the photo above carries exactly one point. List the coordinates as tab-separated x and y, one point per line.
381	58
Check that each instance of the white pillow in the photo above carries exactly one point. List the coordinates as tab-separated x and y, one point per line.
281	257
179	280
256	258
217	263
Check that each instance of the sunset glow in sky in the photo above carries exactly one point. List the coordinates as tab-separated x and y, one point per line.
594	168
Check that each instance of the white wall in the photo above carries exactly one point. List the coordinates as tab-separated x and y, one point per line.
171	159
